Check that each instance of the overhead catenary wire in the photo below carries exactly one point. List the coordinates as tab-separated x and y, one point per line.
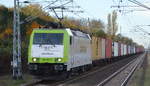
121	8
52	7
139	3
30	18
140	28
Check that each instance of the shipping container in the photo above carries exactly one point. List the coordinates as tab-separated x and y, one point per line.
96	48
122	49
141	49
103	48
119	49
125	49
138	49
112	49
129	51
108	47
134	50
115	49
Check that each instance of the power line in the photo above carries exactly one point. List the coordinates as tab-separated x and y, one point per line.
141	29
118	6
56	7
139	3
30	18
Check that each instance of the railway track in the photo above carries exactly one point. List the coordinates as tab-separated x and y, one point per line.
90	78
122	76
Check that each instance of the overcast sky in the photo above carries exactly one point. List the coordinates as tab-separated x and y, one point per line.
99	9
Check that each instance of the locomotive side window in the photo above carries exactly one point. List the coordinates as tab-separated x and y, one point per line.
48	38
70	40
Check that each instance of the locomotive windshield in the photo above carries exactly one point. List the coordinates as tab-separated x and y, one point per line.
48	38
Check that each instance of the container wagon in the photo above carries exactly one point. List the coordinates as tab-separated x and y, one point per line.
96	50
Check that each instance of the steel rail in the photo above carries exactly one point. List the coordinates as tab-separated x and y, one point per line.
90	73
131	73
116	73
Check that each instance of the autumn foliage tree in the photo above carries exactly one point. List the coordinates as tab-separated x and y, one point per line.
112	26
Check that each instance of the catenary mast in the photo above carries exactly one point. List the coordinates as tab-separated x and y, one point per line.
16	63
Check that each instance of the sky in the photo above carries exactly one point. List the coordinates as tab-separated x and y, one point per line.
99	9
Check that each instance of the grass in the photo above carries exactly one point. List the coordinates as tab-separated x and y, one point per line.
8	81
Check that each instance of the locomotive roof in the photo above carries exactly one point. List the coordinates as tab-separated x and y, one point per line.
71	32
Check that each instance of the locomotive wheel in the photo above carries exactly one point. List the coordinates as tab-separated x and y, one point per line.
66	74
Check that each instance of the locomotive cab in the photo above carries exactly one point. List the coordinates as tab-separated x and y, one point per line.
48	51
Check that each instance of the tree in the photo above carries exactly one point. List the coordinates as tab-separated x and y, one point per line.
122	39
112	26
114	23
109	24
3	18
35	10
34	25
96	25
100	33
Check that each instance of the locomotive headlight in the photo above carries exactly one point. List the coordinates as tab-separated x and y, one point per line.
34	59
59	59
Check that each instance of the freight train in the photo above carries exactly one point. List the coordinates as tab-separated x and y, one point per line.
62	51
